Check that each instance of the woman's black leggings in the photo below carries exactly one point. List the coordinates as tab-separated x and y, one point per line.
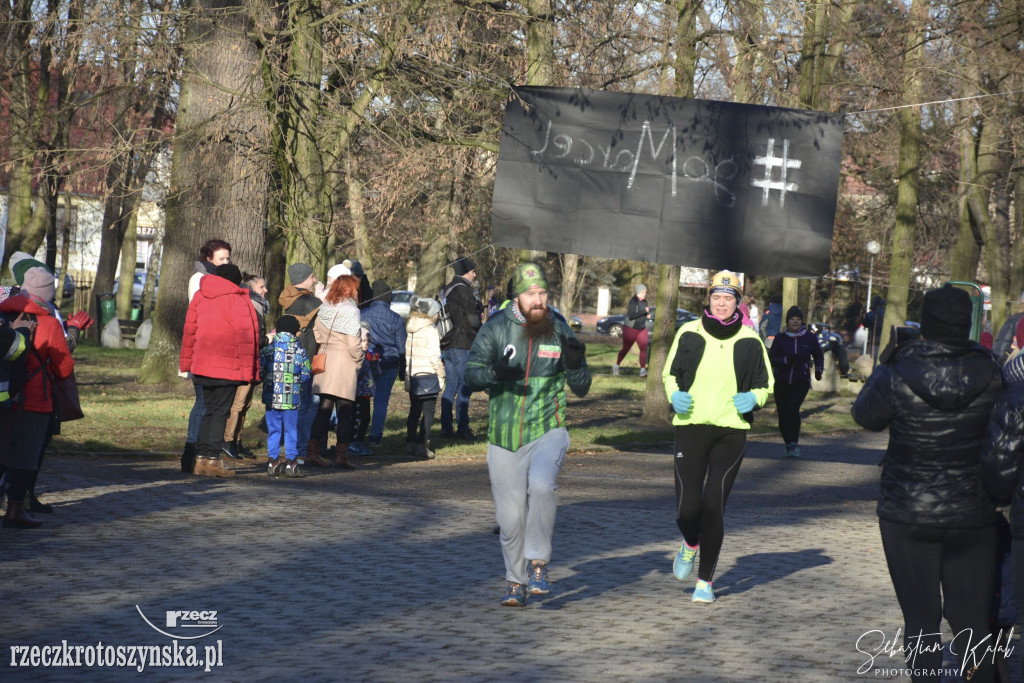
788	399
361	417
962	563
421	416
322	421
707	459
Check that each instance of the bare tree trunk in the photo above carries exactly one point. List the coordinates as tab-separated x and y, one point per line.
152	270
126	274
357	215
656	408
28	99
908	171
218	182
967	250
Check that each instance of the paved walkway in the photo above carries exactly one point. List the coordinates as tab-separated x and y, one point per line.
392	572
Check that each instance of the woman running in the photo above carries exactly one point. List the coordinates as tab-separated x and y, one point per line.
718	373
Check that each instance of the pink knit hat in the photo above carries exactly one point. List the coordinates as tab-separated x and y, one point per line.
39	284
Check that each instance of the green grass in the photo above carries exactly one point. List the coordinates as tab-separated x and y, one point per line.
125	417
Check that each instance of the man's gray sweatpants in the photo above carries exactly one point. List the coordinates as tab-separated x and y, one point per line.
525	499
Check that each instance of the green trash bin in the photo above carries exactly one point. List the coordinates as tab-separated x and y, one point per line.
136	313
107	307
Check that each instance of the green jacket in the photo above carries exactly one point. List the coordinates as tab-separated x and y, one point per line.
713	371
526	409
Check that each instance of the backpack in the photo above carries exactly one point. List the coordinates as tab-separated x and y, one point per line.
14	373
445	325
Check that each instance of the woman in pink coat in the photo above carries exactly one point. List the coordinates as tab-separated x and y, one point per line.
337	330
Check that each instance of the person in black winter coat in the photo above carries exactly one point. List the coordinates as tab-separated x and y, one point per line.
937	521
791	355
874	321
465	312
1002	461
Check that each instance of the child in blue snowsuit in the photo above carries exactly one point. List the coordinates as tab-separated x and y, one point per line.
284	367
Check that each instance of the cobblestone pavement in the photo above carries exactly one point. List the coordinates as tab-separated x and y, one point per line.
392	572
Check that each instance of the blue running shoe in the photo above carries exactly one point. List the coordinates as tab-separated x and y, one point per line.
516	596
539	579
703	592
683	564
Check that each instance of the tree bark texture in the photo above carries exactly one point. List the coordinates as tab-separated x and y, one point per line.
908	173
219	182
656	408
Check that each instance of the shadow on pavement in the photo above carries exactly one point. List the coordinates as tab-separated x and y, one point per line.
761	568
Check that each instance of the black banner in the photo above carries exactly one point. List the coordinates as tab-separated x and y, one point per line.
668	180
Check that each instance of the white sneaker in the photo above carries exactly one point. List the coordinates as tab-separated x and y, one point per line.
615	370
643	372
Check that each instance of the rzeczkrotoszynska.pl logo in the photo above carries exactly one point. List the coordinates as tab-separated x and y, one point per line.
180	620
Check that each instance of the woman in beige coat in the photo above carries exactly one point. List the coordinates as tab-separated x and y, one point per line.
423	357
338	333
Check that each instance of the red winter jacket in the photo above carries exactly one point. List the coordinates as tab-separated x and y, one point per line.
221	333
50	346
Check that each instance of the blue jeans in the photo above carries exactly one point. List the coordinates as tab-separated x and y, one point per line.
455	393
282	423
308	404
381	398
195	418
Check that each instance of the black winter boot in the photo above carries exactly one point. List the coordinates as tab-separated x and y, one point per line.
188	458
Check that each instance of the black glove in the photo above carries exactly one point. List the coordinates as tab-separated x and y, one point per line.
573	351
401	367
505	372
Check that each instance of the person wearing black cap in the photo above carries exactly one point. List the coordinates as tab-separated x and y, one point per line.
219	347
387	330
284	366
465	312
791	355
937	520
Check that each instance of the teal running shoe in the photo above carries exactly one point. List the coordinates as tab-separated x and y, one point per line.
683	564
703	592
516	596
538	584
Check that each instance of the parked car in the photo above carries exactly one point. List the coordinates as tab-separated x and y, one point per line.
137	285
613	323
69	285
400	302
575	322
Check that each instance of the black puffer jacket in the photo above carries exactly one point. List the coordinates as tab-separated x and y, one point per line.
936	400
465	312
1002	455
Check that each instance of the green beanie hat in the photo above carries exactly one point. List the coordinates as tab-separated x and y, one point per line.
20	262
528	275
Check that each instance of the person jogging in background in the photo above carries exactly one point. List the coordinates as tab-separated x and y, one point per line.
523	357
717	374
791	355
634	329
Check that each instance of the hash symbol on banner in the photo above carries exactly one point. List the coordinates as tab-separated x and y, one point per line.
784	163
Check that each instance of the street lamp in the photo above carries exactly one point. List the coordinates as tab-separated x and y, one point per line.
873	248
